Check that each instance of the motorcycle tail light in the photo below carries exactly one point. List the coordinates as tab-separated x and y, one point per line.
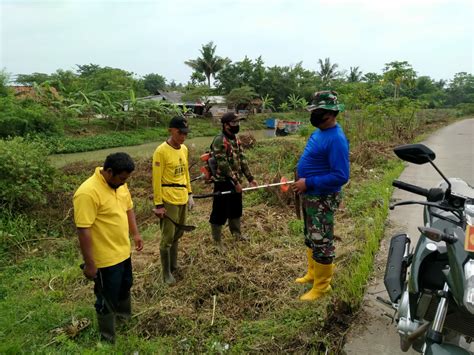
468	298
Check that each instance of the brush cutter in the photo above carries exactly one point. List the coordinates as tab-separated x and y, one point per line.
184	227
284	186
298	202
198	177
100	289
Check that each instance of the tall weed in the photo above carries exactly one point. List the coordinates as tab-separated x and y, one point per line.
25	173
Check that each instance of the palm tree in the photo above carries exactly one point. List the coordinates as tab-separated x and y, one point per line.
399	73
208	63
355	75
327	71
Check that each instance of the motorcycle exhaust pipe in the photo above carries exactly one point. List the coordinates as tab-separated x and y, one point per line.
397	264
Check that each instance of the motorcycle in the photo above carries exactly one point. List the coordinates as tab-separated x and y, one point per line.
431	288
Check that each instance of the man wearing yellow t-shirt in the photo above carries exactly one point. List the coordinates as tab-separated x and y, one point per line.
171	192
104	217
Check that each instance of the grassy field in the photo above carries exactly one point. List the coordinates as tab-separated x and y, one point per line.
241	301
84	136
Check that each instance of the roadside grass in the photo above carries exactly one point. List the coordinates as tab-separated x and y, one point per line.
368	205
242	301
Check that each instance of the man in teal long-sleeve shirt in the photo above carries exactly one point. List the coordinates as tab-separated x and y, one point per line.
322	170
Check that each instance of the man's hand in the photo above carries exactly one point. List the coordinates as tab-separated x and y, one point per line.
90	271
299	186
137	239
238	188
253	183
159	212
190	202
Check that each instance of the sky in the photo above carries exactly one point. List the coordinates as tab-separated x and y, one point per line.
434	36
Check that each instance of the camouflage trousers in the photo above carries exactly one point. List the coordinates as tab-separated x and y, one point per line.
318	212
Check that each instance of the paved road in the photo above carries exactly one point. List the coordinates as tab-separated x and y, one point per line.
373	332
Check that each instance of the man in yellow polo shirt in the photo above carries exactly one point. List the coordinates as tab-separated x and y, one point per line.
172	192
104	217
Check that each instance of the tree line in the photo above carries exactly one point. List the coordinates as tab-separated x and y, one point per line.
285	85
92	90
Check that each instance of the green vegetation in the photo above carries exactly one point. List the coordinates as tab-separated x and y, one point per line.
25	173
243	301
256	309
51	105
64	144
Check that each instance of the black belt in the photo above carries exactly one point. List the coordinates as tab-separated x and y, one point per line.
173	185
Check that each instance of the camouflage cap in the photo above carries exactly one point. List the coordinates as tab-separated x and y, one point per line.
326	100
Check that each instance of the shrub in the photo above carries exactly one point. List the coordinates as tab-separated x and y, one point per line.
465	109
25	116
25	173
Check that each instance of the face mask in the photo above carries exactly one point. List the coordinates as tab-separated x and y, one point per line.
317	118
234	129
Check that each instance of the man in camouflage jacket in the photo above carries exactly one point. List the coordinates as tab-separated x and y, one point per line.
232	166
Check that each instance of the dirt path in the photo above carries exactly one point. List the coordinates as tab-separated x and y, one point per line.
373	332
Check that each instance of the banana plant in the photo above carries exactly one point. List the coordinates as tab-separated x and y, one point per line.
87	107
296	102
284	107
267	102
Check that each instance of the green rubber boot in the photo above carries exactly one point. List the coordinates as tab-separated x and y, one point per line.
174	256
166	266
234	226
217	237
107	326
124	309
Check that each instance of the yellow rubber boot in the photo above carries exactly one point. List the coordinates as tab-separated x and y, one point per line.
322	279
309	277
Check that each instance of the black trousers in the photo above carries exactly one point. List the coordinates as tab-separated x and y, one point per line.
225	206
112	284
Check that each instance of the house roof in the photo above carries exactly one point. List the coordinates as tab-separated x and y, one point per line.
173	97
216	99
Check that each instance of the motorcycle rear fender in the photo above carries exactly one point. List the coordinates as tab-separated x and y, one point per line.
396	269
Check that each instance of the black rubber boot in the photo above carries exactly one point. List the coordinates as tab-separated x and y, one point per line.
234	226
107	326
174	256
216	231
124	309
166	266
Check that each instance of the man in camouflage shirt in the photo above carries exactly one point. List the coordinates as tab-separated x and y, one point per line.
232	166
